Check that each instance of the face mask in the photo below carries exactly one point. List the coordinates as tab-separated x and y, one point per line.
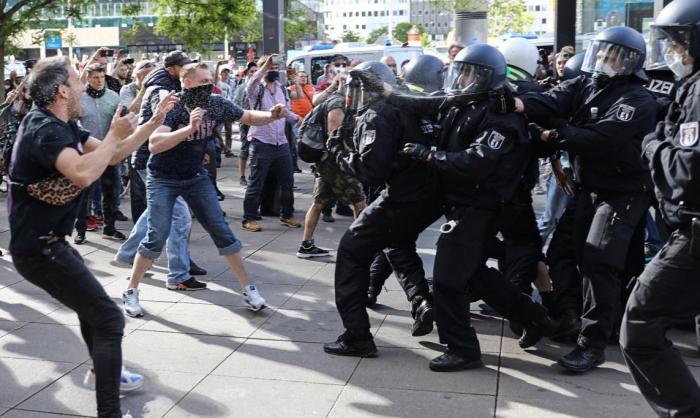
196	96
94	92
339	70
272	76
674	61
600	80
606	69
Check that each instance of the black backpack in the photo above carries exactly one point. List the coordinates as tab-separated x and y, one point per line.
311	139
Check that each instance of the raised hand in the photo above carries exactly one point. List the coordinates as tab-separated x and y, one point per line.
279	111
196	118
417	151
165	106
123	126
370	81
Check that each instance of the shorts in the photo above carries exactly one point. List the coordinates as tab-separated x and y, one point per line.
331	184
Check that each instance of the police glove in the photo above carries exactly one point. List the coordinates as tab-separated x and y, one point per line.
334	144
370	81
535	131
502	101
417	151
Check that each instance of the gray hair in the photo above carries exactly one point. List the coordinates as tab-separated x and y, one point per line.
46	76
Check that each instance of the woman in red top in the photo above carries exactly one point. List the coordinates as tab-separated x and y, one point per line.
301	93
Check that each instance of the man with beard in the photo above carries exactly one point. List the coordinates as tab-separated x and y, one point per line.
175	169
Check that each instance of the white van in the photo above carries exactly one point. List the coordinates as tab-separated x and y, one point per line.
313	61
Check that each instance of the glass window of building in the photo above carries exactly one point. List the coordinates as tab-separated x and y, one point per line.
594	16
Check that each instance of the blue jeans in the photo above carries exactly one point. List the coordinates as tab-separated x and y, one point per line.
557	201
265	159
200	195
177	248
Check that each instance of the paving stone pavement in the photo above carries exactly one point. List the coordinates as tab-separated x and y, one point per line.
204	354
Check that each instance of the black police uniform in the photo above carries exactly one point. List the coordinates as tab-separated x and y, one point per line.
614	184
393	221
481	159
668	292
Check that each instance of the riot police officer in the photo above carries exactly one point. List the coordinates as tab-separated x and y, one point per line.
668	292
480	158
521	57
405	207
608	115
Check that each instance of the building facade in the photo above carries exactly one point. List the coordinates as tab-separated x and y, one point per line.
435	16
362	16
542	12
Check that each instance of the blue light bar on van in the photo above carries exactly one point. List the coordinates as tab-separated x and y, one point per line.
319	47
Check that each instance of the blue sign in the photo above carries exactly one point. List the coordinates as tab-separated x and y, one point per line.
53	42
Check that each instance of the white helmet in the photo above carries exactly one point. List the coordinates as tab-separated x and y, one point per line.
520	53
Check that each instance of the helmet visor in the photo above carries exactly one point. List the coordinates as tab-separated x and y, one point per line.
665	40
467	78
610	59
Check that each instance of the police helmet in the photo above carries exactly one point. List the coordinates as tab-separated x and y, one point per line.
476	68
675	33
424	74
572	68
521	54
380	69
616	51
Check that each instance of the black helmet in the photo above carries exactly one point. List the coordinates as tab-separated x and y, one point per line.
675	33
380	69
424	74
476	68
572	68
616	51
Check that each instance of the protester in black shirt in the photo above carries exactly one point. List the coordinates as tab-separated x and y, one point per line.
52	161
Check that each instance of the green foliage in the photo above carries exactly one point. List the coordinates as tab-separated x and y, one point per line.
195	23
350	36
400	31
375	34
298	25
508	16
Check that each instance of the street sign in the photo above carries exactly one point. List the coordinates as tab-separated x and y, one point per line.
53	42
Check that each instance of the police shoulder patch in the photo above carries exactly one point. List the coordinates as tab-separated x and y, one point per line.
625	113
689	134
495	140
368	136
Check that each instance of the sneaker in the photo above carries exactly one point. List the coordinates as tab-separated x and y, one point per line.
290	222
251	225
253	298
79	238
243	182
308	249
114	234
127	415
189	284
119	216
128	381
327	217
90	224
130	299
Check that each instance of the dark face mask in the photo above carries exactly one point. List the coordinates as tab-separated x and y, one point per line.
92	92
272	76
196	96
600	81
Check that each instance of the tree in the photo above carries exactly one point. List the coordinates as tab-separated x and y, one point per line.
508	16
298	24
195	23
350	36
401	30
375	34
18	16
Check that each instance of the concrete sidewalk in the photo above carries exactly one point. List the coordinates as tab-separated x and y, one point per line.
204	354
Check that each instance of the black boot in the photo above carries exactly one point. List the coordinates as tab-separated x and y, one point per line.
582	359
450	362
569	326
422	312
373	292
195	270
542	327
517	328
352	344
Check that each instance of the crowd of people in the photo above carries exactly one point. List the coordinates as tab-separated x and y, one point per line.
400	147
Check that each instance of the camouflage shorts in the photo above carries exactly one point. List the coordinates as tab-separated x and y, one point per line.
332	184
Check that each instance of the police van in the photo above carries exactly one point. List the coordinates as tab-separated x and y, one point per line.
315	60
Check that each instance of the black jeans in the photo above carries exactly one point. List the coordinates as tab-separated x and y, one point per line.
381	225
109	179
666	295
137	194
80	224
61	272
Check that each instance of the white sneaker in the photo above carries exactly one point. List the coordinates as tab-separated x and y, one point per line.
127	415
130	299
128	381
253	298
